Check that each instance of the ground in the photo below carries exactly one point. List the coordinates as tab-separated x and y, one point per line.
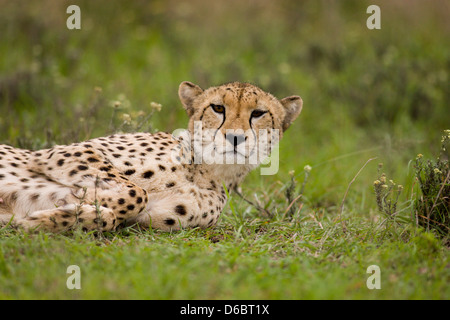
367	93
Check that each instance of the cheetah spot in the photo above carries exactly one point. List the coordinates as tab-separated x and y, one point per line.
180	209
169	222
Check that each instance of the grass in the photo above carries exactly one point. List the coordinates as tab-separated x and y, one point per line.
254	260
367	94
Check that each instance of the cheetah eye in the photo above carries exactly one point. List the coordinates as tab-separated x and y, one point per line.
258	113
217	108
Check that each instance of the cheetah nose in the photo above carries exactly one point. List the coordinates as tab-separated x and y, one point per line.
235	139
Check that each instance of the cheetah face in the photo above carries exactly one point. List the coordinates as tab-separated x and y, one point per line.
236	123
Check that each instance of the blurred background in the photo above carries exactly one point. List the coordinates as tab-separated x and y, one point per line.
367	93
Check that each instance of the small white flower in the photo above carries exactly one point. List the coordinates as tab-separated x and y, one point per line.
115	104
126	118
156	106
307	168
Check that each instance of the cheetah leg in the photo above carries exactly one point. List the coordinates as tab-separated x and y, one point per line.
92	179
88	217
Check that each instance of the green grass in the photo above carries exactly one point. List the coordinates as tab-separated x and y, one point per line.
366	94
254	260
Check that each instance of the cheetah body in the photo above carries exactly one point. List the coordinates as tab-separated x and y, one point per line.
143	178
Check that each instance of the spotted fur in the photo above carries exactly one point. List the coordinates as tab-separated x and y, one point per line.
149	179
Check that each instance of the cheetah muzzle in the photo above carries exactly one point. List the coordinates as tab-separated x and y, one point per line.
159	180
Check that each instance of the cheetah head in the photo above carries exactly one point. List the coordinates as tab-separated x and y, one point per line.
236	123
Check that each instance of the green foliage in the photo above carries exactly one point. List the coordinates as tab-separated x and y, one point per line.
433	205
387	194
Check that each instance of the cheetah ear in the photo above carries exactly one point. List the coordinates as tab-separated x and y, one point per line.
293	106
187	93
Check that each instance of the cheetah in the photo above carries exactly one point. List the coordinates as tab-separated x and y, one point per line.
157	180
